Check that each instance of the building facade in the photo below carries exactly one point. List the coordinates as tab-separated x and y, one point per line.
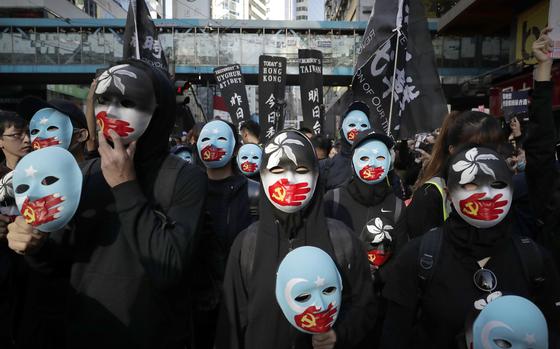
309	10
63	9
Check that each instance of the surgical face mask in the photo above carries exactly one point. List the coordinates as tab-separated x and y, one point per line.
354	122
289	171
249	159
49	127
309	289
371	161
480	187
216	144
125	102
47	185
510	322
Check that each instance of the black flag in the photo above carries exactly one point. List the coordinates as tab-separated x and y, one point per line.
232	85
272	86
396	73
311	87
141	38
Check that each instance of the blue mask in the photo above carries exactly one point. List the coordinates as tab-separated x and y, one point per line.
47	185
354	122
216	144
521	166
371	161
309	289
50	127
249	159
185	155
510	322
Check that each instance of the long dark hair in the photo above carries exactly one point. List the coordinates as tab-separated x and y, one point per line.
457	129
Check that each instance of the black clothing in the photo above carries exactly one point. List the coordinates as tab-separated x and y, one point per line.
424	211
129	260
543	179
449	296
251	317
525	222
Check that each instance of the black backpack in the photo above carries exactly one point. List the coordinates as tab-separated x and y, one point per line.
527	249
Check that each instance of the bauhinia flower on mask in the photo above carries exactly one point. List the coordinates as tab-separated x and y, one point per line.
470	167
278	147
111	76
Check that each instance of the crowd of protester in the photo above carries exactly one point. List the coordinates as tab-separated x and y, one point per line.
447	240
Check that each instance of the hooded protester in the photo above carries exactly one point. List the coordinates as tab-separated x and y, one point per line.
231	206
335	171
129	246
292	215
471	260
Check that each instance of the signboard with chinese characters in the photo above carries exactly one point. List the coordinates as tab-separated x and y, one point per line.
232	85
515	104
311	87
272	85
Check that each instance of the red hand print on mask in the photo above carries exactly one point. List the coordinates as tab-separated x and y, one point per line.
121	127
371	173
378	257
351	135
249	167
286	194
484	210
39	143
316	321
211	153
42	210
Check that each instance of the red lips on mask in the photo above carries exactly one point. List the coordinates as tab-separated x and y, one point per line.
351	135
42	210
39	143
211	153
369	173
286	194
316	321
121	127
249	167
484	210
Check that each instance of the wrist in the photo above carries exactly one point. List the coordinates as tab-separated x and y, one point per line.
543	71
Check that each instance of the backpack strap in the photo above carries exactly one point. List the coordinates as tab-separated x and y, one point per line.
531	260
247	258
341	241
164	185
439	183
253	190
336	201
398	209
430	247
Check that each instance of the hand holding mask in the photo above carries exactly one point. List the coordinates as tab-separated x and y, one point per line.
309	289
117	163
48	185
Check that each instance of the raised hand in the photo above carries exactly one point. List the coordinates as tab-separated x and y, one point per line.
117	163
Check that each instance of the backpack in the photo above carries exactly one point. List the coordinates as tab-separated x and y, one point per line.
430	246
338	234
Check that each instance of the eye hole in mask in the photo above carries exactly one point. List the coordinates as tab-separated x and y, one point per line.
128	103
302	170
502	343
255	157
380	158
329	290
34	131
498	185
223	139
205	139
352	125
277	170
304	297
364	126
364	158
49	180
52	128
22	188
244	157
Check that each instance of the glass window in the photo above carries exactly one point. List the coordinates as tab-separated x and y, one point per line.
6	46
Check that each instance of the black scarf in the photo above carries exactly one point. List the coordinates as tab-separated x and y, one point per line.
368	194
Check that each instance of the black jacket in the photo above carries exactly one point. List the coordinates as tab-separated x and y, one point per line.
425	211
129	260
251	317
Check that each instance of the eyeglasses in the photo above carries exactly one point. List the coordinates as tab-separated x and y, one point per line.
485	280
19	135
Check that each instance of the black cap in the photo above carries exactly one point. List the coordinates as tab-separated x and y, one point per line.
30	105
357	105
372	134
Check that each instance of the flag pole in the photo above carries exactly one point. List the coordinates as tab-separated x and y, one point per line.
136	29
398	30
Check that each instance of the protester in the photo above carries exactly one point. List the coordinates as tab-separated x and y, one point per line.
291	215
128	248
322	146
473	258
249	160
250	132
306	131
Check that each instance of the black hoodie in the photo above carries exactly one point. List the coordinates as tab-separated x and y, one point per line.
129	262
251	317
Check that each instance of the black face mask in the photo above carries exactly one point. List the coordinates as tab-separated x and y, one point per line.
125	101
289	171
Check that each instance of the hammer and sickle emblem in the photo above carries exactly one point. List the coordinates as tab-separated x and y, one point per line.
279	193
206	155
371	257
471	208
246	167
101	124
367	173
36	145
308	321
29	215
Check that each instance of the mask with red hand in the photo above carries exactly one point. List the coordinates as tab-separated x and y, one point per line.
371	160
289	171
480	186
125	101
249	159
216	144
47	186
